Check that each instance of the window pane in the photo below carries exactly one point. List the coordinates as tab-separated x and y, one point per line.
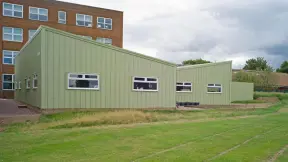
100	20
187	84
7	6
210	84
81	23
88	24
7	60
7	78
91	76
145	86
43	12
18	8
33	10
83	83
17	38
108	26
7	53
141	79
108	41
151	79
18	14
17	31
33	16
8	86
214	89
179	83
8	13
80	17
43	18
62	15
98	39
218	85
35	83
8	37
183	88
62	21
108	21
7	30
102	26
88	18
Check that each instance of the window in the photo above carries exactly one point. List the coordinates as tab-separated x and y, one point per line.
40	14
145	84
15	85
35	81
12	10
31	33
9	57
104	40
12	34
84	20
8	81
61	17
88	37
183	87
19	85
27	83
83	81
214	88
104	23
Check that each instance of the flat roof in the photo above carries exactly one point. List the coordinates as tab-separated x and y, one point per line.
202	65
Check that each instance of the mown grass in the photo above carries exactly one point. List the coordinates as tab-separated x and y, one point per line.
249	101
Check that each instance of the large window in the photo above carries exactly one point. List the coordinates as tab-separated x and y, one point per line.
40	14
12	34
183	87
145	84
84	20
9	57
61	17
12	10
31	33
83	81
104	40
214	88
8	81
104	23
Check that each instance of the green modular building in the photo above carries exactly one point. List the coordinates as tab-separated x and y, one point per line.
241	91
56	69
207	84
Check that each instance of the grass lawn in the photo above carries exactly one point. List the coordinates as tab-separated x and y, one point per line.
255	138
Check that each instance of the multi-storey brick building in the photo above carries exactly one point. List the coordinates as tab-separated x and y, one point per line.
21	18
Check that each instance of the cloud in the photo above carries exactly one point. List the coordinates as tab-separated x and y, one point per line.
209	29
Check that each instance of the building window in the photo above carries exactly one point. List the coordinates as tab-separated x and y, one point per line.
31	33
12	10
104	40
145	84
8	81
19	87
183	87
9	57
40	14
84	20
28	84
214	88
61	17
83	81
15	85
88	37
12	34
35	81
104	23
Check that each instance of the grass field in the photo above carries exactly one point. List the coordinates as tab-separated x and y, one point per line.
223	135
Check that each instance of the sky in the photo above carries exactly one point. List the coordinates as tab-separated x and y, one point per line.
214	30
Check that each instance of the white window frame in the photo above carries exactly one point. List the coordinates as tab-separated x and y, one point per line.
12	40
29	34
19	85
145	81
183	84
85	20
13	78
13	6
62	21
38	13
83	78
35	77
104	40
215	86
27	80
104	23
14	54
15	85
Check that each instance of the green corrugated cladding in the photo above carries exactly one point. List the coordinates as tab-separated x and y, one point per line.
27	63
64	53
241	91
202	75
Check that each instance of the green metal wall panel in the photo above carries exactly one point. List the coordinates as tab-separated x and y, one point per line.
242	91
67	53
200	76
27	63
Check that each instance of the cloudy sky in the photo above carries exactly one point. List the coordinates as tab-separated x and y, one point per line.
215	30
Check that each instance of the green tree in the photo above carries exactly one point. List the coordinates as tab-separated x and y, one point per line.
283	68
258	64
194	62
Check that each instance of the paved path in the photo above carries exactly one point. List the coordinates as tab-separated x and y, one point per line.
9	107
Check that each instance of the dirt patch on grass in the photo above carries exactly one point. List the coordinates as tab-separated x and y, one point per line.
269	99
278	154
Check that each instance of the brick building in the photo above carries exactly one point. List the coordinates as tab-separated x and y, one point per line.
21	18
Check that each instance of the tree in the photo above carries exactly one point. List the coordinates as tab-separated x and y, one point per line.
194	62
283	68
258	64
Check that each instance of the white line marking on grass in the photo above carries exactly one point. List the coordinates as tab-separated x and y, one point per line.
183	144
243	143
